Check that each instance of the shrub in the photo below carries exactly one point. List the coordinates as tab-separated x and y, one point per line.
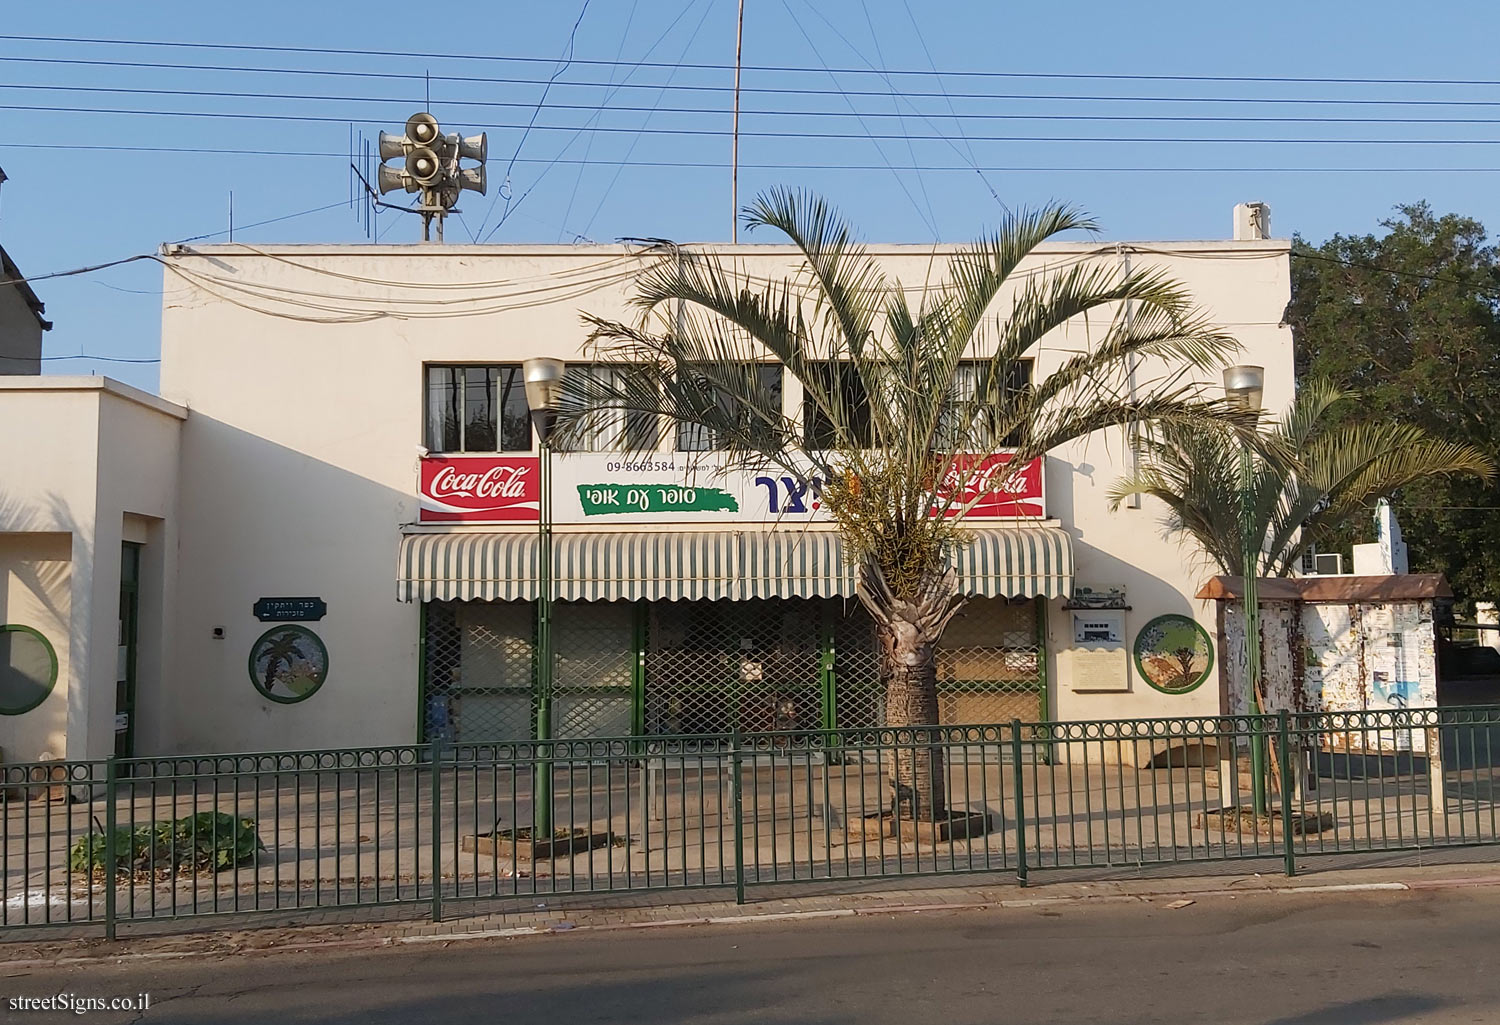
205	842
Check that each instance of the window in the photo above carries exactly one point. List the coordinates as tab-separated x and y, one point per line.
846	392
697	438
477	409
969	378
607	430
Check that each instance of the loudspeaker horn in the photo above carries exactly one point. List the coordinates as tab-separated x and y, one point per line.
472	178
389	179
475	147
422	129
392	146
423	165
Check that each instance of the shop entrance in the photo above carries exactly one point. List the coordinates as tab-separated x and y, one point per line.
710	667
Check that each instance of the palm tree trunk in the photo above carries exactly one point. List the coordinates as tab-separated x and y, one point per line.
915	763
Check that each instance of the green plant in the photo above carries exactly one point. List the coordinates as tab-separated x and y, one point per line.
906	394
204	842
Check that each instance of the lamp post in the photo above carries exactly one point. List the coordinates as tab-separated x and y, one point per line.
543	378
1244	387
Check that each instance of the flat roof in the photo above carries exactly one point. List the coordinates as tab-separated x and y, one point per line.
83	382
456	249
1334	589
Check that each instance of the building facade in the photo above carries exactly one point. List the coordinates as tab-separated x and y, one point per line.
356	520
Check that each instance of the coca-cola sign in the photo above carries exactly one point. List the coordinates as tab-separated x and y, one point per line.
990	488
479	489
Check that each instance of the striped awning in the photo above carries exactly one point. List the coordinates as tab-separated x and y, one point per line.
1014	561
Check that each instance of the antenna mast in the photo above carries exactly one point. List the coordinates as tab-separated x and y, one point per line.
734	156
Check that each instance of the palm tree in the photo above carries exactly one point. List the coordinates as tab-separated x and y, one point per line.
282	649
1311	474
899	398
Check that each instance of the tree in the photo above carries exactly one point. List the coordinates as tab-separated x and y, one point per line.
1409	319
1312	474
901	402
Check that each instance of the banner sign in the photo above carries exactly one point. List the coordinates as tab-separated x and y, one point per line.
669	487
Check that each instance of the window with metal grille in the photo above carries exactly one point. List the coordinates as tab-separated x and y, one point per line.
477	409
766	382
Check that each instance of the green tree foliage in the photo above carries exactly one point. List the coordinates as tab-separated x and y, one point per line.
886	420
1410	319
1314	473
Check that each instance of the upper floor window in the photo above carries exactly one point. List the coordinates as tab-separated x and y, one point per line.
849	402
472	408
699	438
971	378
607	430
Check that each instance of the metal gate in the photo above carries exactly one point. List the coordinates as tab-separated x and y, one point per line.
710	667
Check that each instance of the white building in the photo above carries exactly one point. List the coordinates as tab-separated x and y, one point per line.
346	424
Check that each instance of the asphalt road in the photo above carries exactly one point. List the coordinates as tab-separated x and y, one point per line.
1366	959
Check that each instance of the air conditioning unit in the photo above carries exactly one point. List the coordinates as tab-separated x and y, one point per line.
1322	564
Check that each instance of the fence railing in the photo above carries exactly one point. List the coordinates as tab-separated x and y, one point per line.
450	828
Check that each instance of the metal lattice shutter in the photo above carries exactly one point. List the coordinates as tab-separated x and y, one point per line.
593	648
479	663
712	666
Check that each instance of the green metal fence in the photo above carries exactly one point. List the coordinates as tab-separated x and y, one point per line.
445	829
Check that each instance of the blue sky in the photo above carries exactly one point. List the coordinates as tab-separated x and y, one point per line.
66	208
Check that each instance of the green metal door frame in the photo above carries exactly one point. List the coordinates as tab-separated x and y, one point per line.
130	616
422	673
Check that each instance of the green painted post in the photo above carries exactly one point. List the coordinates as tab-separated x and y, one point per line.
422	673
1020	799
828	681
111	818
436	795
1044	670
638	673
541	786
1250	567
1284	747
739	814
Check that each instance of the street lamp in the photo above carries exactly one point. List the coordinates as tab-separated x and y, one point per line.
1244	387
544	377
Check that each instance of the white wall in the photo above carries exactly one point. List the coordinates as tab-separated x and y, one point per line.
303	370
87	451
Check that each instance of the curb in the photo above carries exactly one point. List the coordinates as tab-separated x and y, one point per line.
566	927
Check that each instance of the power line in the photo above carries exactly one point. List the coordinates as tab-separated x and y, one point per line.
792	69
809	90
102	359
723	133
781	112
776	166
562	66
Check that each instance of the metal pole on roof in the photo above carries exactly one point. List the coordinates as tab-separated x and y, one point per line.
734	156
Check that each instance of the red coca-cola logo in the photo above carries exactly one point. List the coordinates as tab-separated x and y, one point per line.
990	488
479	489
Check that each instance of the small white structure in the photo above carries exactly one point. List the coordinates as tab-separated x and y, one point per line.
1387	553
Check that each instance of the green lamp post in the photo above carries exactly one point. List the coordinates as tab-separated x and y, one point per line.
544	377
1244	387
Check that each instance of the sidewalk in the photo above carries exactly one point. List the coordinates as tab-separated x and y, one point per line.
667	910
